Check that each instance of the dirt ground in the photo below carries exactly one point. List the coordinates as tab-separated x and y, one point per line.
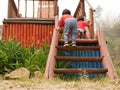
57	84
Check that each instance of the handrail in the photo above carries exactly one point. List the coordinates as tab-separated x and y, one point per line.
12	9
107	62
49	73
80	10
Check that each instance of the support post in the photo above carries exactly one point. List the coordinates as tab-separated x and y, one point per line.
92	23
9	8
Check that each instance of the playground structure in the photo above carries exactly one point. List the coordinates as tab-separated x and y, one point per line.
90	57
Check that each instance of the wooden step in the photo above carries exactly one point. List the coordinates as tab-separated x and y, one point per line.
80	71
81	41
78	48
79	59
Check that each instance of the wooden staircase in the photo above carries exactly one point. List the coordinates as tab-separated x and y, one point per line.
84	59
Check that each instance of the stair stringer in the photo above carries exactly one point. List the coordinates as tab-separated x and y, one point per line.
50	65
107	62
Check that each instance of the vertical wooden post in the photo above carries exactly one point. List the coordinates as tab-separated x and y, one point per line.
77	11
18	7
49	72
83	8
40	9
25	8
55	8
9	8
33	9
92	22
49	8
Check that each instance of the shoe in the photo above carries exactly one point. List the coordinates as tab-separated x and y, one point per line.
73	44
66	45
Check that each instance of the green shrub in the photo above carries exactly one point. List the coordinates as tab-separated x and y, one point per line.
13	56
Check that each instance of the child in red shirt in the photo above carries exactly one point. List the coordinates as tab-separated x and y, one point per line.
81	27
70	26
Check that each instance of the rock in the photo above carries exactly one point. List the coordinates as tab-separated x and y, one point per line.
18	74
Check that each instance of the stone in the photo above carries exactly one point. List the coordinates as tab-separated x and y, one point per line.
18	74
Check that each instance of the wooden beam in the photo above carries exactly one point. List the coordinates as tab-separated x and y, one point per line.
25	8
81	41
107	62
33	9
18	7
81	71
78	48
25	20
89	5
9	8
92	23
83	8
78	59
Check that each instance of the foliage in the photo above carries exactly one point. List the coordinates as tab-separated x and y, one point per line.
112	36
13	56
117	68
97	16
98	12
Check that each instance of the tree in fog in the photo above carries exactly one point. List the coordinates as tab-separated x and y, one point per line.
97	17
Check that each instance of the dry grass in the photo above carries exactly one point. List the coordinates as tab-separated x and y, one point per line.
58	84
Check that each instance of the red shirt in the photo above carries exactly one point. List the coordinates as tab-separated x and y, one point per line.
81	24
63	18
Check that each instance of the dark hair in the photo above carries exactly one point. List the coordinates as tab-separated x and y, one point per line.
80	18
66	11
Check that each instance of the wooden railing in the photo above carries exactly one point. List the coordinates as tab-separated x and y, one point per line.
31	8
80	10
29	31
107	62
12	10
50	64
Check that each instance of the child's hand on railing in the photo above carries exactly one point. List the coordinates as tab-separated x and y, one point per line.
58	28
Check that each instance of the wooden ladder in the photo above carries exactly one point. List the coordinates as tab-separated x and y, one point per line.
84	59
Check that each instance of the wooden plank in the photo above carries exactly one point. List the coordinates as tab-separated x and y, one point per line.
28	21
81	71
78	48
29	33
107	62
81	40
79	59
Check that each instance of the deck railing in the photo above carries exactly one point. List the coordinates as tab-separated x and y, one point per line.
31	8
29	31
37	29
